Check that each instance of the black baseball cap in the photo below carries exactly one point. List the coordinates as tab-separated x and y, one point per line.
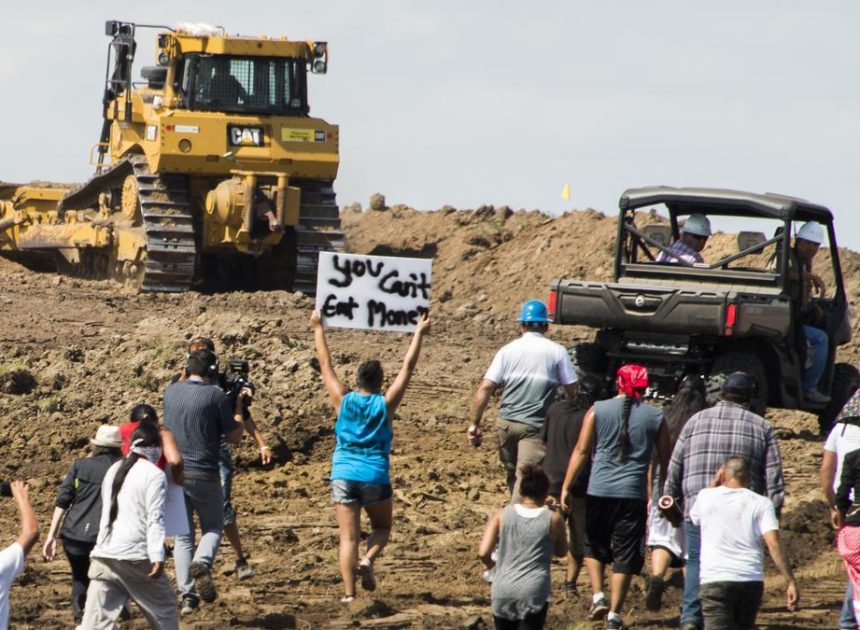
740	383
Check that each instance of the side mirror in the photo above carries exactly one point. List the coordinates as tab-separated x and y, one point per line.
319	60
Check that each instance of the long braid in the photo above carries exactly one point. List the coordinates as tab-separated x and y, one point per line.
116	486
624	436
145	435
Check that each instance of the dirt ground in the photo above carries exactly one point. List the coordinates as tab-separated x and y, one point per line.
77	353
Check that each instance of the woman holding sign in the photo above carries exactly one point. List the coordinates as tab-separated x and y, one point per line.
359	472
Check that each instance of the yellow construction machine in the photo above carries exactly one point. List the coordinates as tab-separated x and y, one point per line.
209	172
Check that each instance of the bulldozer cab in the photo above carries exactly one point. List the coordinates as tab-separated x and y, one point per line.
249	85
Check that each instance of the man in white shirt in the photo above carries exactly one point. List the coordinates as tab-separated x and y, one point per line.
530	370
733	521
12	557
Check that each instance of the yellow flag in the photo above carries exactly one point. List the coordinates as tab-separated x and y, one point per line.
565	192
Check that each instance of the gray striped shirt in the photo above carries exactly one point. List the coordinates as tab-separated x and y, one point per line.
198	414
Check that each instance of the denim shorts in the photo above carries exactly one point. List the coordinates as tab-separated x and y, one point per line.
345	491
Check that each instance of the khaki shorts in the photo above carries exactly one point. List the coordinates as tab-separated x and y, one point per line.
519	444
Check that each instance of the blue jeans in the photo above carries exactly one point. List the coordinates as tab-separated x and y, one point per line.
818	345
846	615
691	607
225	470
202	495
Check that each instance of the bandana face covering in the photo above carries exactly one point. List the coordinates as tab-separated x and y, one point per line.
152	453
632	380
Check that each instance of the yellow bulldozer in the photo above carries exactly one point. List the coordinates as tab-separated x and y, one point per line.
209	171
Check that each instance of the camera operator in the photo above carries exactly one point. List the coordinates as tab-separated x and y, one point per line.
234	383
12	557
199	415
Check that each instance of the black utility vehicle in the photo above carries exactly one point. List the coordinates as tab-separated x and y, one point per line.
740	312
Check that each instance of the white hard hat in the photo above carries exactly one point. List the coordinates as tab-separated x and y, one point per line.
697	224
812	232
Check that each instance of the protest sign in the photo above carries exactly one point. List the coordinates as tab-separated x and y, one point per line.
372	292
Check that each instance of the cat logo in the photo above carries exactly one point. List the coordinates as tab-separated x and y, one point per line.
245	136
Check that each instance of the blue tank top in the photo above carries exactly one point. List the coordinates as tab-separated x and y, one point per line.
363	436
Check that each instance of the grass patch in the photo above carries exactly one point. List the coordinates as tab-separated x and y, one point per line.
52	404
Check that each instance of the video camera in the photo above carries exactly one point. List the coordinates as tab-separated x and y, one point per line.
235	378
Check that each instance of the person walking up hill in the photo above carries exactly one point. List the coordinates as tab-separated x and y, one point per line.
360	467
622	432
530	369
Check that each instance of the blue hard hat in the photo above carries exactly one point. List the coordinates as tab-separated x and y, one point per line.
534	311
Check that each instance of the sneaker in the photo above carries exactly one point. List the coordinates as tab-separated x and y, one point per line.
816	397
365	570
243	570
347	599
568	589
599	609
654	593
203	582
189	605
614	623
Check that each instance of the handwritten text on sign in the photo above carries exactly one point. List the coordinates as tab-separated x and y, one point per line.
372	292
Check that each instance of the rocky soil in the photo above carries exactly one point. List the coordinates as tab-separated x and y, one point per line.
77	353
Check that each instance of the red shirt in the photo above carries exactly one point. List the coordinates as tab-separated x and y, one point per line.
125	431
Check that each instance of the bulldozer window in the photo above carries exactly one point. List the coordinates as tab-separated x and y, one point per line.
258	85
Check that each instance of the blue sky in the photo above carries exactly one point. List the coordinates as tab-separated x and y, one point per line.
465	103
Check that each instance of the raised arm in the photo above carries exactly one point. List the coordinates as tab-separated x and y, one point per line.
336	390
579	456
29	533
394	394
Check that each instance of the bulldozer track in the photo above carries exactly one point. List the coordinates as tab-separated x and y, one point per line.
171	244
165	212
318	230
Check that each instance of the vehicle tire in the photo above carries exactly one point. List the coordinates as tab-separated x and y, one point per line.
738	362
589	358
846	380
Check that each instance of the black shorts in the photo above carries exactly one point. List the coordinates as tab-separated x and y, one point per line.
615	532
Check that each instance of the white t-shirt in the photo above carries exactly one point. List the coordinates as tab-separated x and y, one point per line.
843	439
733	520
530	369
11	566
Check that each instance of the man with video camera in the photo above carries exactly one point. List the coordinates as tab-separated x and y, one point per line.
199	415
233	381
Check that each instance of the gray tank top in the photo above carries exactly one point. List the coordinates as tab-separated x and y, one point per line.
521	581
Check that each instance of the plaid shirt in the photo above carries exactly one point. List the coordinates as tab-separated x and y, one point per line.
713	435
680	250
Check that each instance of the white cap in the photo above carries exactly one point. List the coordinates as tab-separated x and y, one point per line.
812	232
697	224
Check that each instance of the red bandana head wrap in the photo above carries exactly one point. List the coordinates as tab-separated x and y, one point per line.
632	380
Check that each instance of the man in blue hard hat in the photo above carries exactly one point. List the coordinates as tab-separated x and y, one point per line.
530	370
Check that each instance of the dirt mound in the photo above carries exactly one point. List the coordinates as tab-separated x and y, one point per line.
94	350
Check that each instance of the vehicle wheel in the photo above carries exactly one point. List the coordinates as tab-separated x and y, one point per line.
846	380
738	362
589	358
